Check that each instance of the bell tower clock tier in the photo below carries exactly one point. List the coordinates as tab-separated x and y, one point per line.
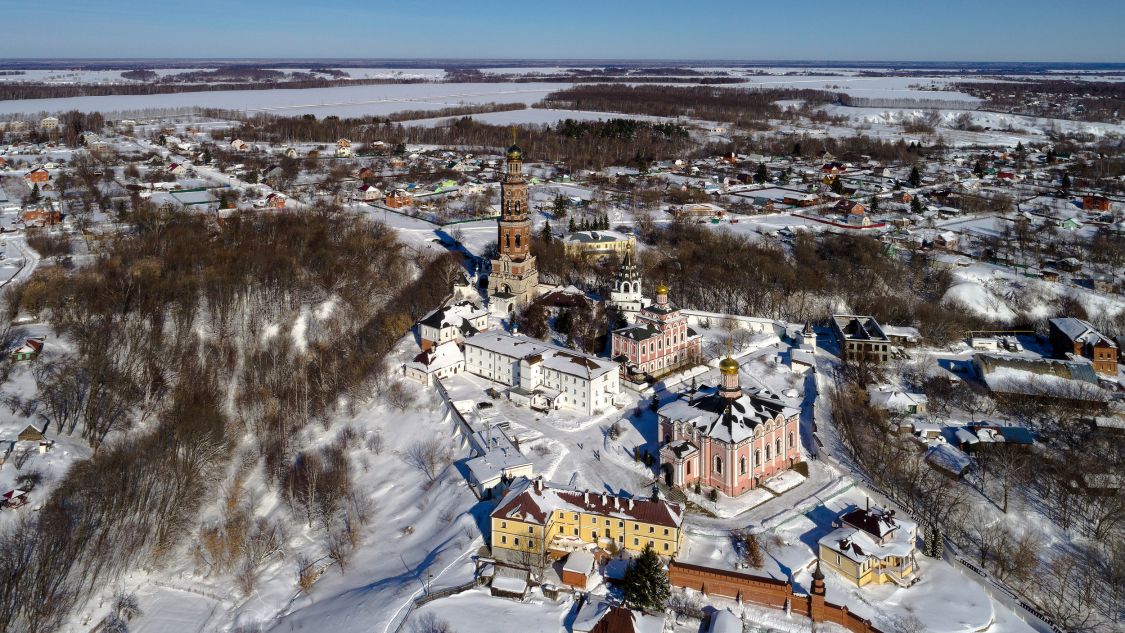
514	278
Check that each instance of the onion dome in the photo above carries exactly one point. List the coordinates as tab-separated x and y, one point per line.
515	153
662	288
728	366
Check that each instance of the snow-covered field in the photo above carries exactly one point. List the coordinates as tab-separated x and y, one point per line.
537	116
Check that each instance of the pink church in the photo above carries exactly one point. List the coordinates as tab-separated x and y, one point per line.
659	342
725	438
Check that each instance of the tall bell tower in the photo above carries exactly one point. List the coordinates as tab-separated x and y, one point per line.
514	278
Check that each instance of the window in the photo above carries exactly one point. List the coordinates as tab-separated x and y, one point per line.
665	531
665	547
778	447
530	530
742	465
790	440
517	240
689	468
576	531
651	530
757	458
503	524
767	452
719	465
621	524
636	542
503	539
516	540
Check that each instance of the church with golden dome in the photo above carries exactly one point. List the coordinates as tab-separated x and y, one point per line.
726	437
659	341
514	279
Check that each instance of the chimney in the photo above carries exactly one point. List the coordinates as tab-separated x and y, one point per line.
630	503
586	497
515	329
539	484
605	500
869	504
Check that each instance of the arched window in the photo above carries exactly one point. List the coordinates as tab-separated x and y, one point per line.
742	465
757	458
767	452
517	240
517	206
790	440
779	447
507	240
719	465
689	468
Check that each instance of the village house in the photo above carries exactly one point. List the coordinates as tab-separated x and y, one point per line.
368	193
1095	203
538	520
49	123
38	175
343	148
1070	336
399	198
455	323
872	546
544	376
659	341
596	244
861	338
698	210
597	615
30	350
894	400
41	217
727	438
239	145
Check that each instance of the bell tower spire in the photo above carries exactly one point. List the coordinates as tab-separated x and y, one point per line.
514	278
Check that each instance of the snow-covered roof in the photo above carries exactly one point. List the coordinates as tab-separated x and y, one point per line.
948	458
534	502
725	419
579	562
447	354
894	400
556	358
725	622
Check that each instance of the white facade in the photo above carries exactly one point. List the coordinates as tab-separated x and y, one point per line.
541	373
452	323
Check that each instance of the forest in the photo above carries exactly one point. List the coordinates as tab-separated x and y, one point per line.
743	107
177	385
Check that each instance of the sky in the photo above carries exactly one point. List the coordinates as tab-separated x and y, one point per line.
820	30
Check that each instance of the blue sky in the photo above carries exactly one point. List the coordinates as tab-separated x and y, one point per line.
949	30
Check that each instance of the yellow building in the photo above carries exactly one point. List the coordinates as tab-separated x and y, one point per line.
872	546
599	244
534	519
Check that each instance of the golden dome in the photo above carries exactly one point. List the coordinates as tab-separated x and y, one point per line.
515	153
661	288
728	366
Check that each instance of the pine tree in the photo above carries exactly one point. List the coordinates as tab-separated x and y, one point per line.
836	186
762	174
939	543
916	204
978	169
1066	182
915	178
646	585
570	226
545	235
34	196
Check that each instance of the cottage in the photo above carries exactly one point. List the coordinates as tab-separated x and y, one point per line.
37	176
399	198
872	545
368	193
30	350
435	362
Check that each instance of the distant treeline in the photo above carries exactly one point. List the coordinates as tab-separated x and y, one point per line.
13	91
1083	100
308	128
739	106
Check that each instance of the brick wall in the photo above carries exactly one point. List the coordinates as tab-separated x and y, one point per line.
764	591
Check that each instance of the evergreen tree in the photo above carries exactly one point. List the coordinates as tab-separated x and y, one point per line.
762	174
33	197
545	235
570	226
836	186
874	204
978	169
916	204
1066	182
646	584
938	549
796	149
915	178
